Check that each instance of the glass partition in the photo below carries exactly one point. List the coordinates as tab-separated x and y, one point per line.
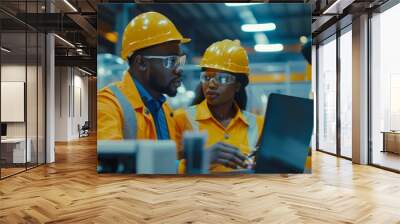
14	151
22	89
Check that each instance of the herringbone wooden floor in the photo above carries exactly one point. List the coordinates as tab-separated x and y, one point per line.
70	191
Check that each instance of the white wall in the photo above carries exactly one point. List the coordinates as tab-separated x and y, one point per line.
34	124
81	83
13	73
13	101
71	87
61	103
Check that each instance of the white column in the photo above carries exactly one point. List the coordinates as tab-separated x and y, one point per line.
312	94
360	90
50	93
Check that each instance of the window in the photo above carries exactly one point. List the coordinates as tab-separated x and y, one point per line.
385	89
346	93
327	96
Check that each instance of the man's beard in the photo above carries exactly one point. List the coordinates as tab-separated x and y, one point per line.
167	89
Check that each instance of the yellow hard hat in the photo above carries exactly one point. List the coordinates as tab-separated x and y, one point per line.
226	55
148	29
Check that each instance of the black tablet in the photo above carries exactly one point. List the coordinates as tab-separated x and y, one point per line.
286	135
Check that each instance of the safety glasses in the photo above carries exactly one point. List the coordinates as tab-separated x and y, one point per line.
221	78
170	62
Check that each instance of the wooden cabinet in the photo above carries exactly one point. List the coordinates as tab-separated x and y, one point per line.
391	142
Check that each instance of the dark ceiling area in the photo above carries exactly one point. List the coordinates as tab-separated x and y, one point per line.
75	43
207	23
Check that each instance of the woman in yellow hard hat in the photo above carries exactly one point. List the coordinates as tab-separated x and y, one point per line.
219	106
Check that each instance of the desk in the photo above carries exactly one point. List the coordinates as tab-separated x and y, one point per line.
391	141
13	150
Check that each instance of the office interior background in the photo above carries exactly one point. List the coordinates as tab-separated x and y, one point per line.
334	73
48	87
45	97
69	58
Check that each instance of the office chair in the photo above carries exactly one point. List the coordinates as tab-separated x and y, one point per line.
84	130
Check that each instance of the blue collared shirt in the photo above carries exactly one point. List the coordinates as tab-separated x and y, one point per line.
155	108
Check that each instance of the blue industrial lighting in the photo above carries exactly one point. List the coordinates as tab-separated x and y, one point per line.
260	27
268	47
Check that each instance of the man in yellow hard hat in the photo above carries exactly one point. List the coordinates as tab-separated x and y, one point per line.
135	108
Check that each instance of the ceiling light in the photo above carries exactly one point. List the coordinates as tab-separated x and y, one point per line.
261	27
65	41
84	71
303	39
240	4
335	7
70	5
5	50
268	47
